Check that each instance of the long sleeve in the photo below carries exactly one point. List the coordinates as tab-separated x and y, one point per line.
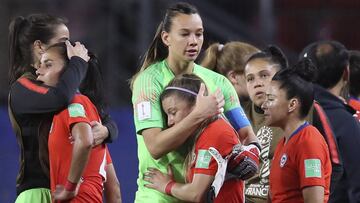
111	126
28	96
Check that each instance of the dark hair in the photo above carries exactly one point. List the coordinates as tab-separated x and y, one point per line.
297	83
92	84
230	56
157	50
331	59
187	81
23	32
272	54
354	64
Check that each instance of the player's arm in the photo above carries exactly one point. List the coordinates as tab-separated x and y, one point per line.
236	115
83	140
189	192
82	145
159	142
245	162
43	99
112	185
107	132
313	194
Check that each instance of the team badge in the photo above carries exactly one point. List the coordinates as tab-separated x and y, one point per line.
283	160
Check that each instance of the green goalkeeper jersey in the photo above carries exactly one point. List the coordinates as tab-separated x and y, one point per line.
148	114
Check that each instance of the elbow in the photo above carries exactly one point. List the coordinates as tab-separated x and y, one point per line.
196	197
87	143
155	153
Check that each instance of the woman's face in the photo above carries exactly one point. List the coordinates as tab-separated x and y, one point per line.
239	83
61	34
276	105
52	65
185	38
176	109
258	75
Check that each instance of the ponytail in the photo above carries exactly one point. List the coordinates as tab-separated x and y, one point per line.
16	57
211	56
156	52
23	32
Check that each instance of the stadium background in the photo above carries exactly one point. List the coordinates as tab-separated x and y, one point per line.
119	31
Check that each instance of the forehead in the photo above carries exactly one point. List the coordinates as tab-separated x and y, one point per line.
52	54
173	100
274	89
61	34
185	21
259	64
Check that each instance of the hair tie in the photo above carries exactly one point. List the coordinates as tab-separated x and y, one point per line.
220	47
181	89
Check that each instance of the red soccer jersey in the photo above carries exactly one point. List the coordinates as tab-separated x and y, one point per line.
302	162
355	104
220	135
60	151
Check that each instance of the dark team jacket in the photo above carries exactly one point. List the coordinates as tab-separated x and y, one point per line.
31	108
347	132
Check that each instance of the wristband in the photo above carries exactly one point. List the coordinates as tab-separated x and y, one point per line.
256	144
169	186
70	186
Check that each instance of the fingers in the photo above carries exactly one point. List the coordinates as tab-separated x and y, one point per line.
201	90
77	50
94	123
169	170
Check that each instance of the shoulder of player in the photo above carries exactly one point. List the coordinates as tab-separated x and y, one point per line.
207	72
310	134
28	81
152	73
216	128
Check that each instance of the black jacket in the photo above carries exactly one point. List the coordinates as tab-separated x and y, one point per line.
31	108
347	133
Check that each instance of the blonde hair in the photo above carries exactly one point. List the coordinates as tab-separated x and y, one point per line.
231	56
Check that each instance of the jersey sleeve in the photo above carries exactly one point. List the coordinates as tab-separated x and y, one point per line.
146	103
232	109
222	138
77	112
312	160
45	99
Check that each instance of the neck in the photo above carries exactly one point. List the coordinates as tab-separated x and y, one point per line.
291	126
180	67
336	90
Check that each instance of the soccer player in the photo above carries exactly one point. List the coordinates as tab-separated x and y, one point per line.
31	119
175	47
178	100
77	170
229	60
301	167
